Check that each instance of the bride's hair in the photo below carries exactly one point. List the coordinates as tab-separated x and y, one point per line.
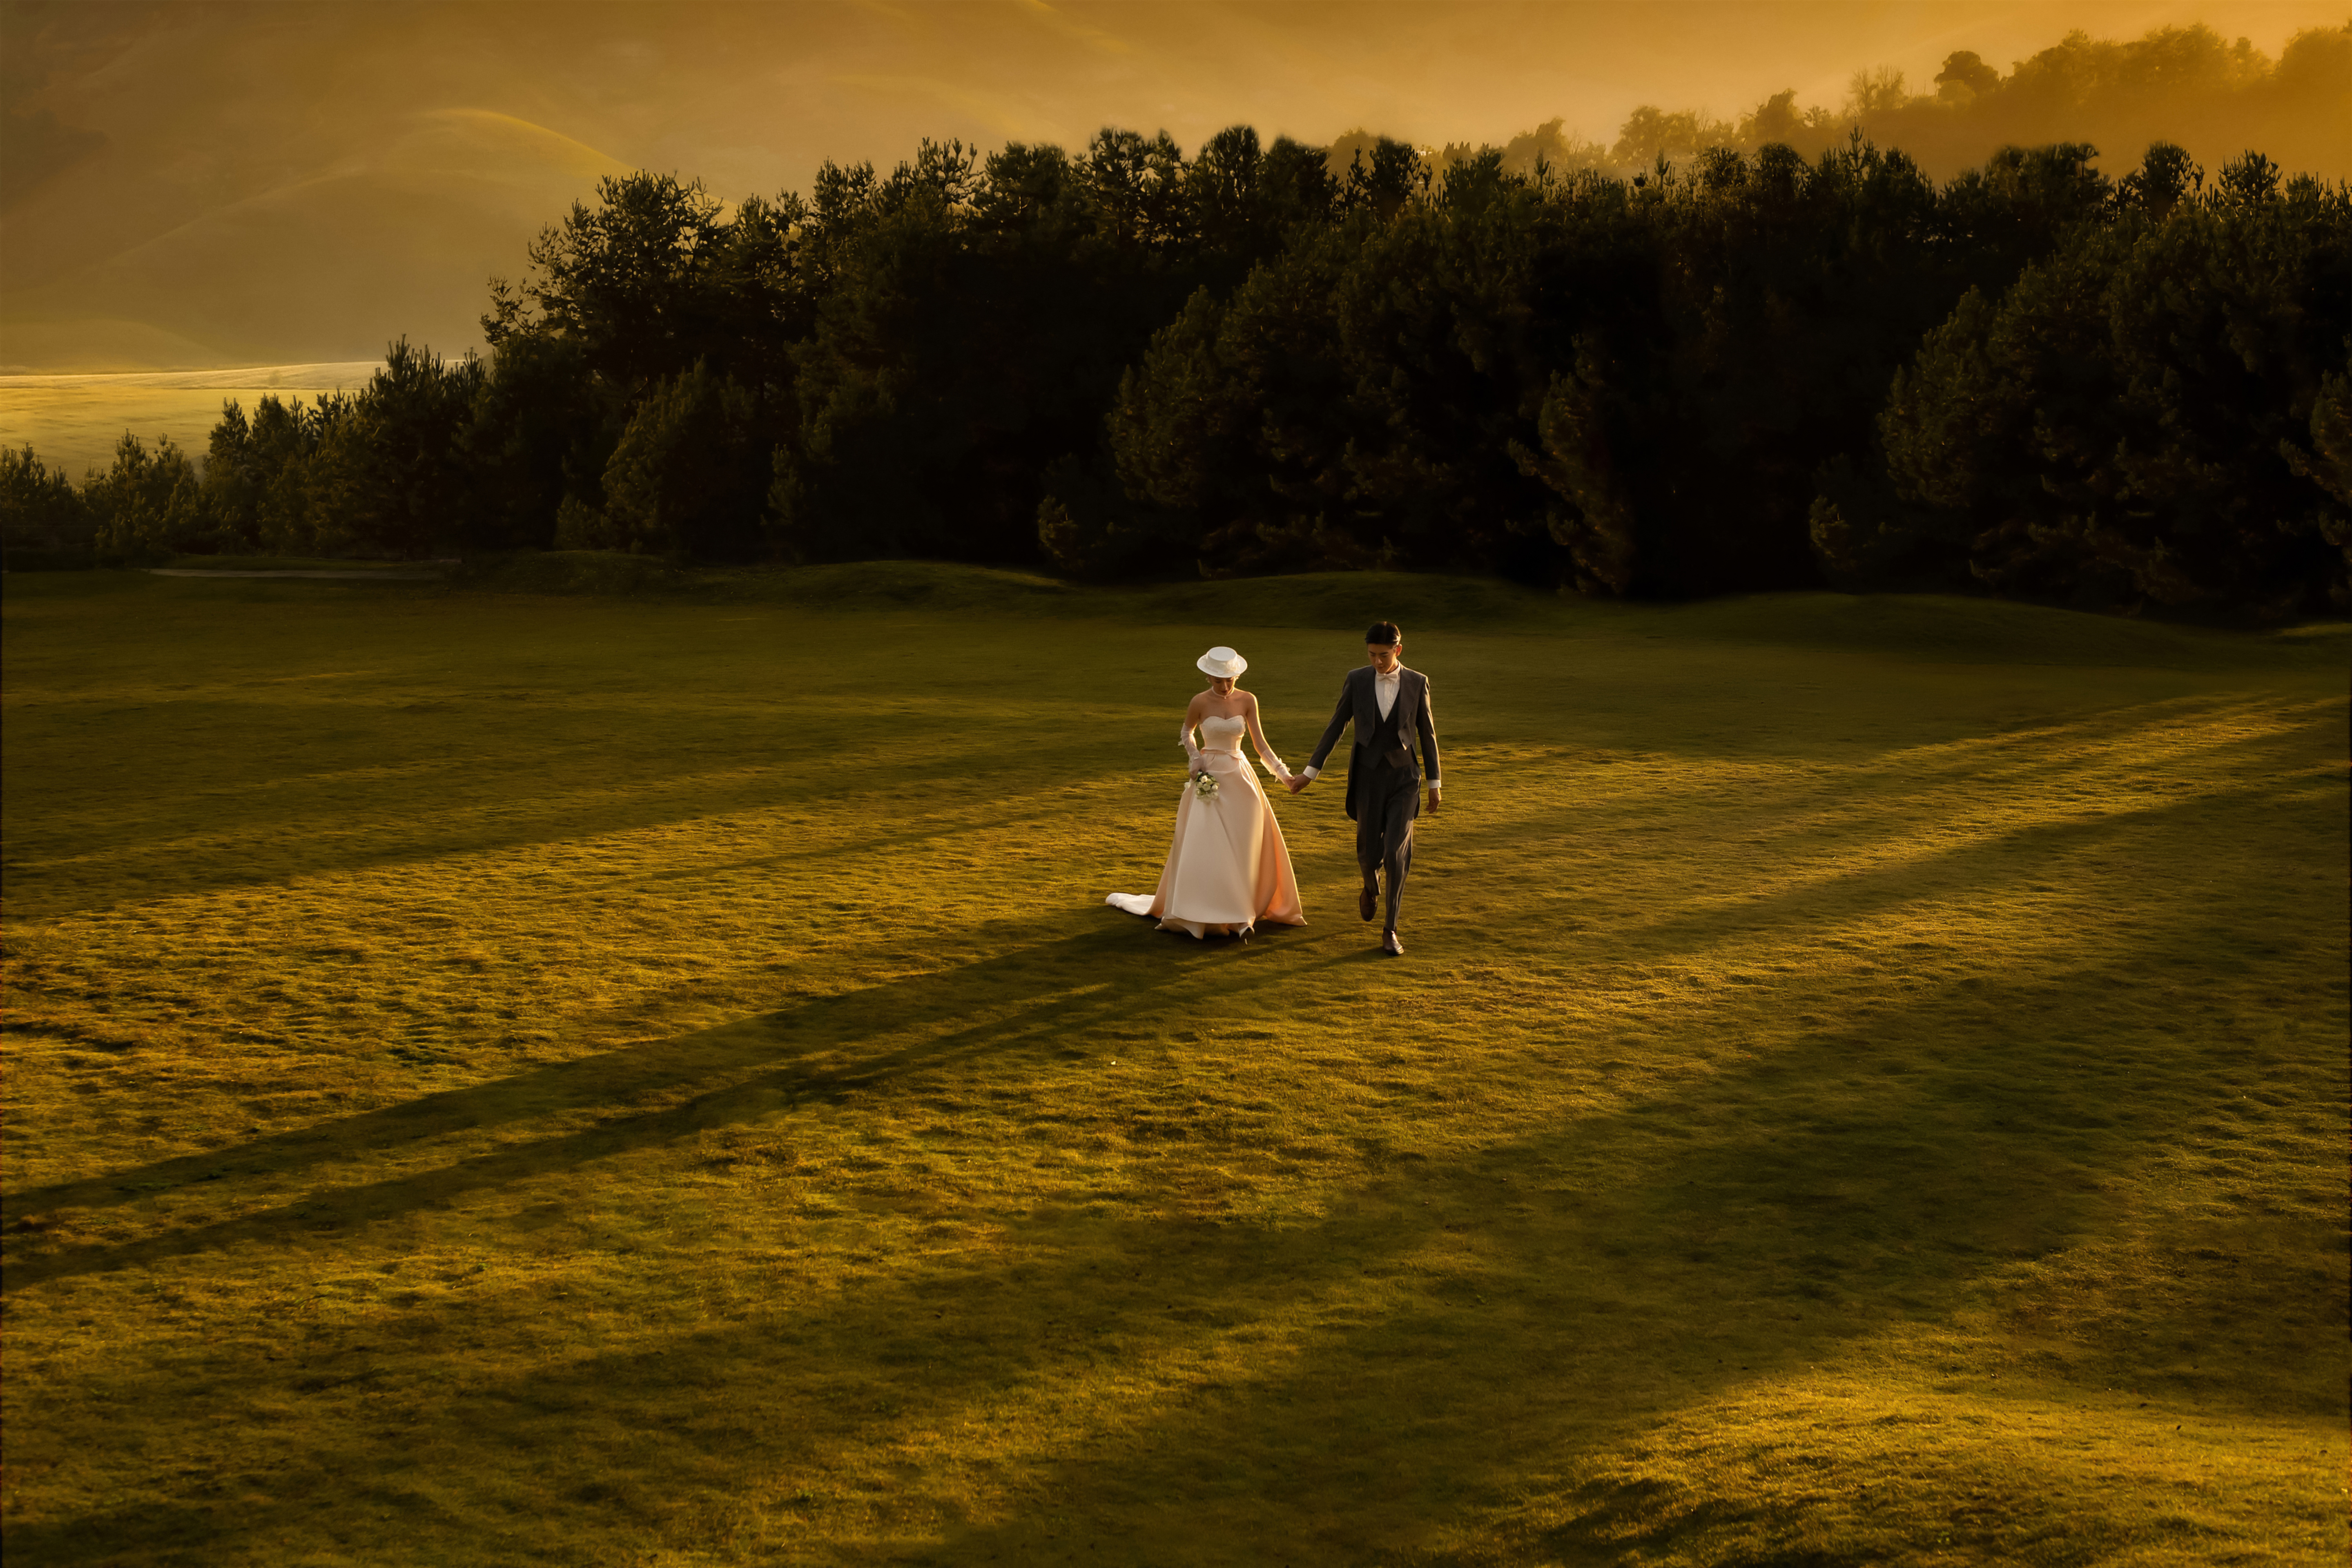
1384	633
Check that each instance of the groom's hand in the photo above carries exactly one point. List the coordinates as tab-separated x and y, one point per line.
1433	802
1298	781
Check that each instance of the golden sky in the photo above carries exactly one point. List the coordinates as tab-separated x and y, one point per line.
223	183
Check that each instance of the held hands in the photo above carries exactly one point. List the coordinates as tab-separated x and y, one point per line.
1296	783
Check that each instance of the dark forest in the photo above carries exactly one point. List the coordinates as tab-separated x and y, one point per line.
1749	368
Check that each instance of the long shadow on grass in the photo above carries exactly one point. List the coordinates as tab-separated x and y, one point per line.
1980	867
1018	1001
824	1048
1168	1391
309	836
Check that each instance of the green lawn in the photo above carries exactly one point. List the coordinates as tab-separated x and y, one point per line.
650	1078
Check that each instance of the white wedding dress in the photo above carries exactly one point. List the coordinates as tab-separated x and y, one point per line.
1228	869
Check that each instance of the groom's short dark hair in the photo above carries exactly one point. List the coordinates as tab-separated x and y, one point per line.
1384	632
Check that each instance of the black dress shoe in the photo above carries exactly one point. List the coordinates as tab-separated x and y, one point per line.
1368	902
1391	946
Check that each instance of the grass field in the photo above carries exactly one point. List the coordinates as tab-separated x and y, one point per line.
650	1078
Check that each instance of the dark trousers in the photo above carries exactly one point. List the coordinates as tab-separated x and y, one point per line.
1385	809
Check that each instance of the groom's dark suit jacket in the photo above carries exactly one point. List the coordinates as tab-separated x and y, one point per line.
1414	728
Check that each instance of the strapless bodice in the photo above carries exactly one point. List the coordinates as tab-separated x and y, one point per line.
1219	734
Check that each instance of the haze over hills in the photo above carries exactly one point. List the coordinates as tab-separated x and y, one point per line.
195	186
401	235
75	421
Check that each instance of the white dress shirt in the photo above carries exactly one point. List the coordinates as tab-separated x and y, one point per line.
1384	693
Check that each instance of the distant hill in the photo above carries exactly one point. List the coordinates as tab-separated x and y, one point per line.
99	343
191	187
395	240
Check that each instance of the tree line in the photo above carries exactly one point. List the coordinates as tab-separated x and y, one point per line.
1743	370
2187	85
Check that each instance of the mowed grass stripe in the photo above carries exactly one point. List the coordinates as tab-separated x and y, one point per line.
494	1079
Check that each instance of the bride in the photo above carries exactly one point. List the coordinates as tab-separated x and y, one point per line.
1228	869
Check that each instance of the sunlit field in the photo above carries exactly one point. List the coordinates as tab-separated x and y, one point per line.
650	1078
74	422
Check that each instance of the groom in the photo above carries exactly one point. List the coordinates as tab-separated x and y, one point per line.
1389	705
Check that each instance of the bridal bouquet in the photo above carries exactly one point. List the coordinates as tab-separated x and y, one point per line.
1204	785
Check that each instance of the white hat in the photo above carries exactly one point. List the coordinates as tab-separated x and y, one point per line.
1222	662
